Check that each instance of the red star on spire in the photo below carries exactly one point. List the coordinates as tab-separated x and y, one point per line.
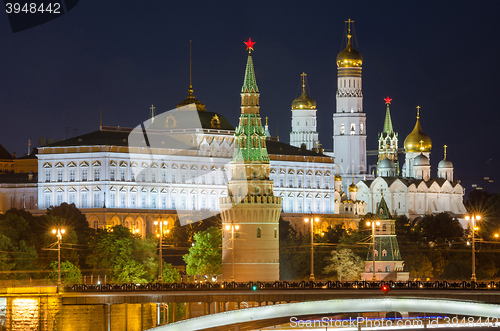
249	44
387	100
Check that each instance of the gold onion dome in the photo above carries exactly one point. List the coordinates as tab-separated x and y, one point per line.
417	140
304	102
353	188
337	178
349	57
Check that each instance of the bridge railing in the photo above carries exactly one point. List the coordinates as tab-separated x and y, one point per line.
285	285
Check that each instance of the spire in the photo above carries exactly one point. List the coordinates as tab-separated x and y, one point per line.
250	135
383	212
249	83
266	129
445	151
153	114
200	106
388	122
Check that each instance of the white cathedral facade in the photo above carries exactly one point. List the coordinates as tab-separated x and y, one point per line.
114	183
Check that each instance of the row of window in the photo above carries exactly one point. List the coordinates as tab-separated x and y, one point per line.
121	200
210	178
258	234
292	179
353	129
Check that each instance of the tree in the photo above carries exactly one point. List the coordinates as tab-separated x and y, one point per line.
440	229
70	274
170	274
127	257
416	262
205	256
346	264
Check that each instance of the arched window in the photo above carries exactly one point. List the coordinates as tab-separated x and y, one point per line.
384	227
387	268
275	233
259	232
384	253
376	252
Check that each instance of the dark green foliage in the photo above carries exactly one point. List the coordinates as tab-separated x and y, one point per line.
205	256
70	274
126	257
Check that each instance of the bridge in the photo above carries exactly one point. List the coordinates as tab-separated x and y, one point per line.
204	306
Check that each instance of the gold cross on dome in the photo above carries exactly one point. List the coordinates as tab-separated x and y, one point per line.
445	150
303	80
349	21
418	112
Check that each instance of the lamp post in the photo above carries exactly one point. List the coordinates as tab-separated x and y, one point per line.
58	232
312	219
373	224
473	218
232	227
160	235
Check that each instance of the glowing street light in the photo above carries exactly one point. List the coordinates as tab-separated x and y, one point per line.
232	227
373	224
160	235
473	219
58	232
313	219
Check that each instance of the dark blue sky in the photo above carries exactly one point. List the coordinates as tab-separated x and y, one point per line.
122	56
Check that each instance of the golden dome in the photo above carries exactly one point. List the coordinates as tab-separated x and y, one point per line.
200	106
417	140
304	102
337	178
353	188
349	57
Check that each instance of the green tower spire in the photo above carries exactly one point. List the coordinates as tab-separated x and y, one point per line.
388	122
250	135
383	212
250	83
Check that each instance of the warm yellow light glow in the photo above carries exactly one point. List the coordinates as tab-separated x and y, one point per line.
54	231
306	219
156	222
317	219
496	235
467	217
237	227
158	235
377	223
62	231
165	222
23	311
228	227
168	231
476	228
478	217
368	224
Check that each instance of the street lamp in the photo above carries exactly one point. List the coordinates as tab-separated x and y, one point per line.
313	219
473	218
160	235
373	224
58	232
232	227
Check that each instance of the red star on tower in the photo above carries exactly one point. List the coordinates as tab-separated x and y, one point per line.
249	44
387	100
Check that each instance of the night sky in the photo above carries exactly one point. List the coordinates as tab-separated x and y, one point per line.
122	56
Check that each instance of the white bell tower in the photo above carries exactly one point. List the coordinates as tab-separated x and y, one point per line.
304	120
349	120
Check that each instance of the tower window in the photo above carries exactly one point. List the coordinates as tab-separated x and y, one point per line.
353	129
342	129
259	233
